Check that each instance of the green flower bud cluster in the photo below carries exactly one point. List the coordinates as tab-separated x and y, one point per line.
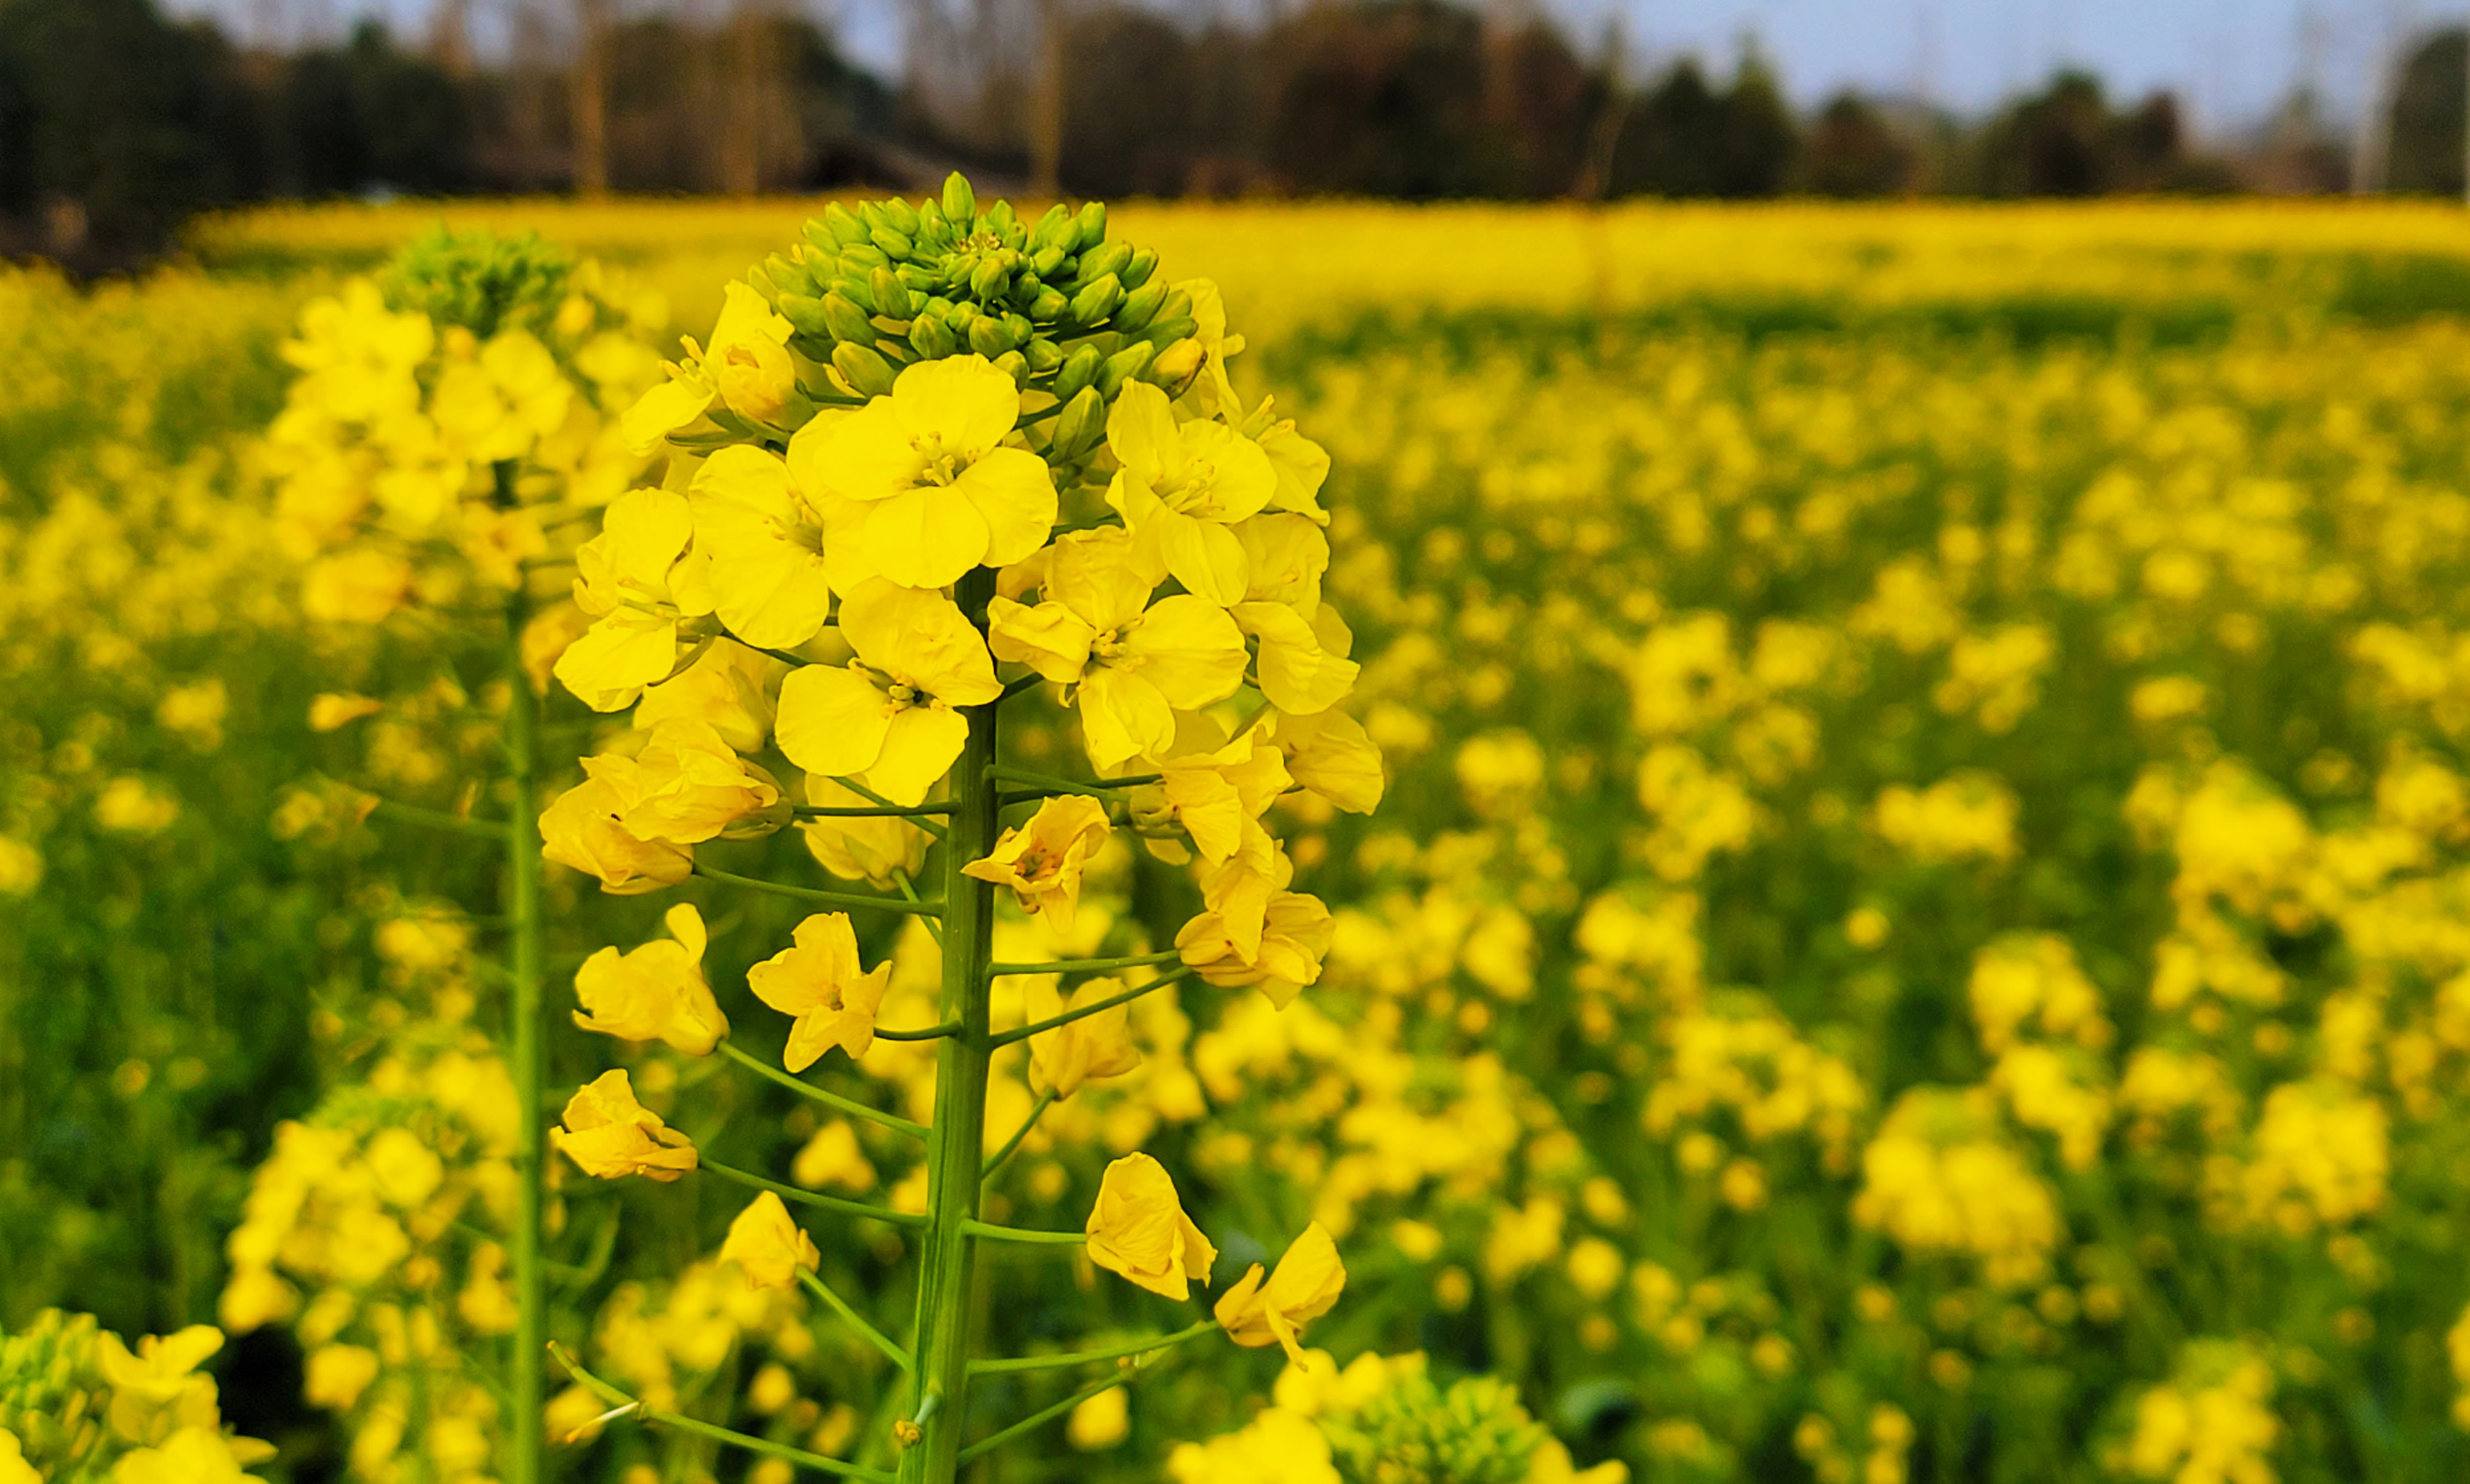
53	1397
481	281
1413	1432
1054	303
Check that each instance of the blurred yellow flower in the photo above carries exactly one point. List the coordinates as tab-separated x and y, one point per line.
769	1246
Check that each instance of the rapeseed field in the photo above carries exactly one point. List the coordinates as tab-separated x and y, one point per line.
1855	838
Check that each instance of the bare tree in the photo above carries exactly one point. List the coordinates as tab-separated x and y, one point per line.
591	97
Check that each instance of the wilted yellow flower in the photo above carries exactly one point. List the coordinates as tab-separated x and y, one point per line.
1138	1229
1181	486
1305	1287
1042	860
1135	664
891	718
769	1246
687	786
819	981
581	828
607	1133
943	493
656	992
1094	1046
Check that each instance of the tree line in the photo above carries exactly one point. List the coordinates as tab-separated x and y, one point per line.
116	121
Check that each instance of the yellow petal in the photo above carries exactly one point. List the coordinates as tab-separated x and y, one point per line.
1014	491
924	538
831	720
1203	555
660	412
1049	639
963	401
1123	717
1189	649
1141	430
919	749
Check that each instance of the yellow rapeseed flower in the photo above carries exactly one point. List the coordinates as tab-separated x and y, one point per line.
655	992
768	1246
890	718
1042	861
1306	1286
819	981
607	1133
1137	1228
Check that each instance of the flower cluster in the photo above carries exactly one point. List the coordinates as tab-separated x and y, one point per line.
79	1405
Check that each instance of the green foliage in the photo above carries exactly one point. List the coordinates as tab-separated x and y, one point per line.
1414	1432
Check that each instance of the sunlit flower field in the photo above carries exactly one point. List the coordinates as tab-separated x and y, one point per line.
1914	924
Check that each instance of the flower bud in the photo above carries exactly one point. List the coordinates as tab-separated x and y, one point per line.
1093	224
932	338
1122	366
960	203
932	227
1082	424
787	276
1042	354
1048	305
896	245
1098	300
1052	231
1177	303
847	320
999	221
891	296
900	217
1138	267
845	229
1079	370
989	338
1013	364
1046	260
1166	332
1105	261
917	279
861	259
991	277
1175	366
857	290
1139	308
805	314
764	286
868	373
960	316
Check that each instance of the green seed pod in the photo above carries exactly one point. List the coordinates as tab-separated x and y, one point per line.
1093	224
899	215
1043	355
1098	300
1136	273
862	259
989	338
1052	231
1140	307
891	297
1013	364
894	242
806	316
1047	261
991	278
1079	425
960	203
848	322
1048	305
1079	370
846	229
931	338
1103	261
866	371
1164	333
1122	366
1176	366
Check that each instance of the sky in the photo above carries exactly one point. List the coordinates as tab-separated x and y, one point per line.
2230	60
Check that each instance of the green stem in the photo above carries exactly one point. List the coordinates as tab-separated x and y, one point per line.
795	1456
1079	1011
527	1055
856	1321
868	812
782	654
995	1162
1085	966
928	825
1088	1357
438	818
1039	1419
814	894
1054	786
956	1154
1022	1236
909	892
920	1033
799	1084
1030	681
834	1203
